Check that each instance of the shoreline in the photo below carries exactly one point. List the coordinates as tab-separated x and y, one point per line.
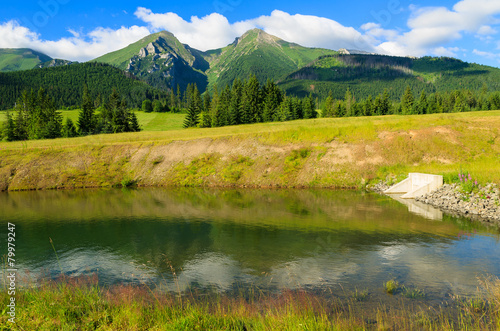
482	205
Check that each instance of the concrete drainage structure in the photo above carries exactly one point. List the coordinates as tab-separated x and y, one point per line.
416	185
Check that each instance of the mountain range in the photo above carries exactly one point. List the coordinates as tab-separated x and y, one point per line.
163	62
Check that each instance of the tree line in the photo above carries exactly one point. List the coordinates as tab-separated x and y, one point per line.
38	118
244	102
409	104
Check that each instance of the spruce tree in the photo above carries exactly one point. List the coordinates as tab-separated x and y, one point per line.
10	129
252	112
327	110
385	106
86	117
368	106
309	107
133	122
235	116
69	129
407	102
194	105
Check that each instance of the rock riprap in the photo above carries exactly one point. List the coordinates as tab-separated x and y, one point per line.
483	203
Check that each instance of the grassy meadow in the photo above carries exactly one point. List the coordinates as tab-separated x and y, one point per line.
325	152
147	121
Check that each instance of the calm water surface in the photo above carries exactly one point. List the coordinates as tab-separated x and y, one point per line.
226	240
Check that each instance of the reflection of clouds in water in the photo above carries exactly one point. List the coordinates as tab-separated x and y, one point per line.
444	267
312	271
391	253
209	269
110	267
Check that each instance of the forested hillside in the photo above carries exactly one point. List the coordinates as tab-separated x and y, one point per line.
367	75
64	84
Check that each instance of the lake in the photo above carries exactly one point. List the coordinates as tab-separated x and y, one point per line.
229	240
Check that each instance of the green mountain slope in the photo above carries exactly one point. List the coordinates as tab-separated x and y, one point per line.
160	60
65	84
371	74
261	54
20	59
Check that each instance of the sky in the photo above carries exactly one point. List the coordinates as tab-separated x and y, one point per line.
83	30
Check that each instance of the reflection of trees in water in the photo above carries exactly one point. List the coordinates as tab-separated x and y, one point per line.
276	236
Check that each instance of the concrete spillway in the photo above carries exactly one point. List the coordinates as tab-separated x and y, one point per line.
416	185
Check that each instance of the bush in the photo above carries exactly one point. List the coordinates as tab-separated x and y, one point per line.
147	106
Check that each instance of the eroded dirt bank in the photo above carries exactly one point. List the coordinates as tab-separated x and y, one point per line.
241	161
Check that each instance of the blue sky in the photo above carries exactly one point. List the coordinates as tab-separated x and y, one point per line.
83	30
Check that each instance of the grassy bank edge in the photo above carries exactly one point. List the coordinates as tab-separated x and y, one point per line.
82	304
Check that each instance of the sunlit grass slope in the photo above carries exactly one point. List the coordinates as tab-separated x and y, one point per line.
335	152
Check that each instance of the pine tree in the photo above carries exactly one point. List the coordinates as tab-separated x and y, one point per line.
133	122
327	110
338	109
235	116
368	106
272	98
422	104
349	102
194	105
86	117
252	112
206	102
385	105
69	129
309	107
407	102
10	129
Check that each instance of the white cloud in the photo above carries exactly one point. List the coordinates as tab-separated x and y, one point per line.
76	48
489	55
446	51
431	28
376	31
486	30
209	32
214	30
313	31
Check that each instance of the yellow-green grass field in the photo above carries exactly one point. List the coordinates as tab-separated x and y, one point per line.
147	121
331	152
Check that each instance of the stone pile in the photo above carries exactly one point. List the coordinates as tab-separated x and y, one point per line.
482	204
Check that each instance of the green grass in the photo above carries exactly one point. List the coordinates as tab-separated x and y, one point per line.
147	121
391	286
81	304
20	59
330	152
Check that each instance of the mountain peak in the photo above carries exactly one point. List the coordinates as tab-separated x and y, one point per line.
258	36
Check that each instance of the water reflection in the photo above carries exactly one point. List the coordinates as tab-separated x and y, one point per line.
235	238
419	208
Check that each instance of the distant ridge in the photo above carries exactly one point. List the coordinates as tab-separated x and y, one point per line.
15	59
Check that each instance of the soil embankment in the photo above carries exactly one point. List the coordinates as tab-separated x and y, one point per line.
340	153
